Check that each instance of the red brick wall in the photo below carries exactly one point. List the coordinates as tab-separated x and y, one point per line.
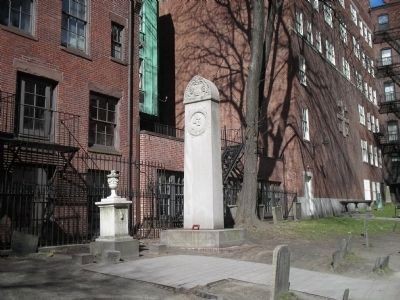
42	54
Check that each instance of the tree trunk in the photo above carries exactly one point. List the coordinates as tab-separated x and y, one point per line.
261	39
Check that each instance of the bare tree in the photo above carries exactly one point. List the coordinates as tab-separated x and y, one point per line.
261	39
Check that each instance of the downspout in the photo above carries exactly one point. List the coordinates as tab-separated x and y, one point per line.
130	95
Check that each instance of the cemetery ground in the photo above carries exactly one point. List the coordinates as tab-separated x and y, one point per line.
51	274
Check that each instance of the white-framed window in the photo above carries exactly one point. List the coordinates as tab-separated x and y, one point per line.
364	151
370	38
316	4
346	68
368	63
366	33
359	83
353	13
383	22
367	190
74	24
302	70
389	91
370	96
377	129
356	47
343	32
364	64
374	99
361	27
328	15
305	124
366	89
379	158
309	33
18	14
376	156
373	123
318	41
386	57
361	113
373	185
371	154
299	22
341	3
369	121
372	68
330	52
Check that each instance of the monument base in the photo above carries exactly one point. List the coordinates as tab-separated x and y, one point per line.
205	238
127	246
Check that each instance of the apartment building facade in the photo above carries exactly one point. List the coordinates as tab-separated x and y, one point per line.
319	108
387	53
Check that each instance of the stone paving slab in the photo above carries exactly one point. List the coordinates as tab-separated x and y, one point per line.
188	271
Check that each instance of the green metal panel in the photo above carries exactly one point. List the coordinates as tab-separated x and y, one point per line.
149	57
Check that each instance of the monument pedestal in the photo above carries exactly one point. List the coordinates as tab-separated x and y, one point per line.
114	234
206	238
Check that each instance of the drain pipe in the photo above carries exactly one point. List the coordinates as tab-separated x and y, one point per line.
130	94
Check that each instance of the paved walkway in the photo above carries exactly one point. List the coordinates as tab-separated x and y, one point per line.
188	271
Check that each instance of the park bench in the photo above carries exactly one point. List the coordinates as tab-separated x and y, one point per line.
355	202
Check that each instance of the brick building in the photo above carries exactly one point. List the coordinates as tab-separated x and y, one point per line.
69	111
387	52
319	104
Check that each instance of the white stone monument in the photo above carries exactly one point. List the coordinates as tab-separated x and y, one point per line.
114	234
203	194
203	191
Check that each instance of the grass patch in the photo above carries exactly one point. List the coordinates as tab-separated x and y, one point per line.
387	211
333	226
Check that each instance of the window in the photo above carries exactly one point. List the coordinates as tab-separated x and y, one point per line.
379	158
74	24
359	83
393	131
356	48
330	52
18	14
364	151
386	56
371	154
372	68
309	34
328	15
366	33
369	38
363	61
370	96
369	121
383	22
373	184
372	123
299	22
353	12
346	68
374	99
35	104
389	91
305	124
361	113
318	41
377	129
365	89
341	3
367	62
102	123
361	28
343	32
367	190
376	157
302	70
316	4
116	40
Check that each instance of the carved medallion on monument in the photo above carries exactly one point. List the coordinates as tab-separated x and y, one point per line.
198	88
198	122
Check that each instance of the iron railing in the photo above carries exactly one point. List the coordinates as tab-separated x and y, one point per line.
389	102
387	62
37	124
389	138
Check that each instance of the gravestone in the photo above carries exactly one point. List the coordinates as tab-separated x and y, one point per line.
346	294
339	255
381	264
277	214
23	243
203	191
114	214
281	270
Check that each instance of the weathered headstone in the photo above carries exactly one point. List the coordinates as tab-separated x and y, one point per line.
346	294
23	243
281	270
297	210
340	253
277	214
203	193
82	258
381	264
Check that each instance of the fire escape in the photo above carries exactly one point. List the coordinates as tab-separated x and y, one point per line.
388	66
37	169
